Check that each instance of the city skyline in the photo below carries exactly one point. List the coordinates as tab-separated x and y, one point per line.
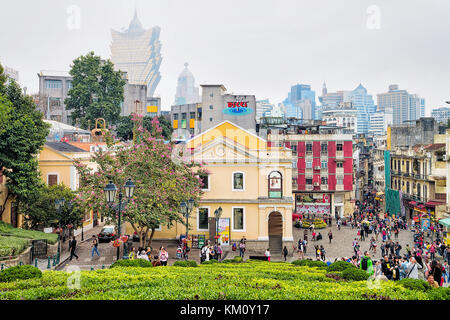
268	61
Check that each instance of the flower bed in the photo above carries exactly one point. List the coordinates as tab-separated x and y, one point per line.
234	281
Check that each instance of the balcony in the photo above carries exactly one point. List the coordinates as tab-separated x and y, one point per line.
324	187
339	154
339	187
309	187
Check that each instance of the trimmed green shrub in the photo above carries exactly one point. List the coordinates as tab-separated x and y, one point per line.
310	263
186	263
140	263
20	273
355	274
415	284
238	259
339	266
439	293
210	261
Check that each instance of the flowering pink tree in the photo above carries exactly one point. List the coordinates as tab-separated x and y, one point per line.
161	184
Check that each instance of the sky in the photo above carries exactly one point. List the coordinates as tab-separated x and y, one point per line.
259	47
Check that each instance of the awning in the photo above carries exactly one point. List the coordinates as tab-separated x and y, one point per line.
433	203
421	206
413	203
445	222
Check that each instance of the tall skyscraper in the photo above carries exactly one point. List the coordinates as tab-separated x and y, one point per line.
137	51
364	105
187	92
405	106
301	102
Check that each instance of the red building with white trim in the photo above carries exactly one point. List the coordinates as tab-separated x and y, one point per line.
322	176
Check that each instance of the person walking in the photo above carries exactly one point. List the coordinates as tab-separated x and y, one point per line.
219	252
285	252
387	268
94	246
330	235
322	253
72	248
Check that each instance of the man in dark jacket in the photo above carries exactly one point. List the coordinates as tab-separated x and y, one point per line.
387	268
72	248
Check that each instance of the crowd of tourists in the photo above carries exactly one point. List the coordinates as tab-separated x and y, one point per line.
427	259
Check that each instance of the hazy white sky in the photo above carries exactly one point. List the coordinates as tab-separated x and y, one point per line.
259	47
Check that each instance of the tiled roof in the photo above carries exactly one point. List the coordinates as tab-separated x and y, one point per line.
434	146
63	147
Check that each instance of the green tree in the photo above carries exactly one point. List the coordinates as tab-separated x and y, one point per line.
41	212
97	90
22	135
125	127
161	184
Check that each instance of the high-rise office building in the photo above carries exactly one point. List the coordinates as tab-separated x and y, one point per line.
441	114
187	92
379	121
301	102
405	106
364	105
263	109
137	52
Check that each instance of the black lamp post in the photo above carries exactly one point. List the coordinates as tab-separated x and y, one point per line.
110	193
217	214
59	204
186	209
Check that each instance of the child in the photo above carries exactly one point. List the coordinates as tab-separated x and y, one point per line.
267	254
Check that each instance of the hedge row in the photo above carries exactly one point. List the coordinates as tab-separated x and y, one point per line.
233	281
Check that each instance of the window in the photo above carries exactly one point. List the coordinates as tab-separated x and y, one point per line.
210	107
192	115
53	84
418	189
69	84
202	222
294	164
191	131
308	147
183	116
52	179
339	180
339	164
275	185
308	164
204	178
238	219
309	180
238	181
324	164
294	148
175	116
324	147
210	119
339	147
324	180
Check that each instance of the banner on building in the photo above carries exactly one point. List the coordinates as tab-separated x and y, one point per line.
224	231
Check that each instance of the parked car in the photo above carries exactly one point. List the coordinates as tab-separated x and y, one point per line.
107	234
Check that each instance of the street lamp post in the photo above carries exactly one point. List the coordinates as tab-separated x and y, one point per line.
110	193
217	214
186	209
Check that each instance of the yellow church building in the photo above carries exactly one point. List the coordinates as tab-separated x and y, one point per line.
249	181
